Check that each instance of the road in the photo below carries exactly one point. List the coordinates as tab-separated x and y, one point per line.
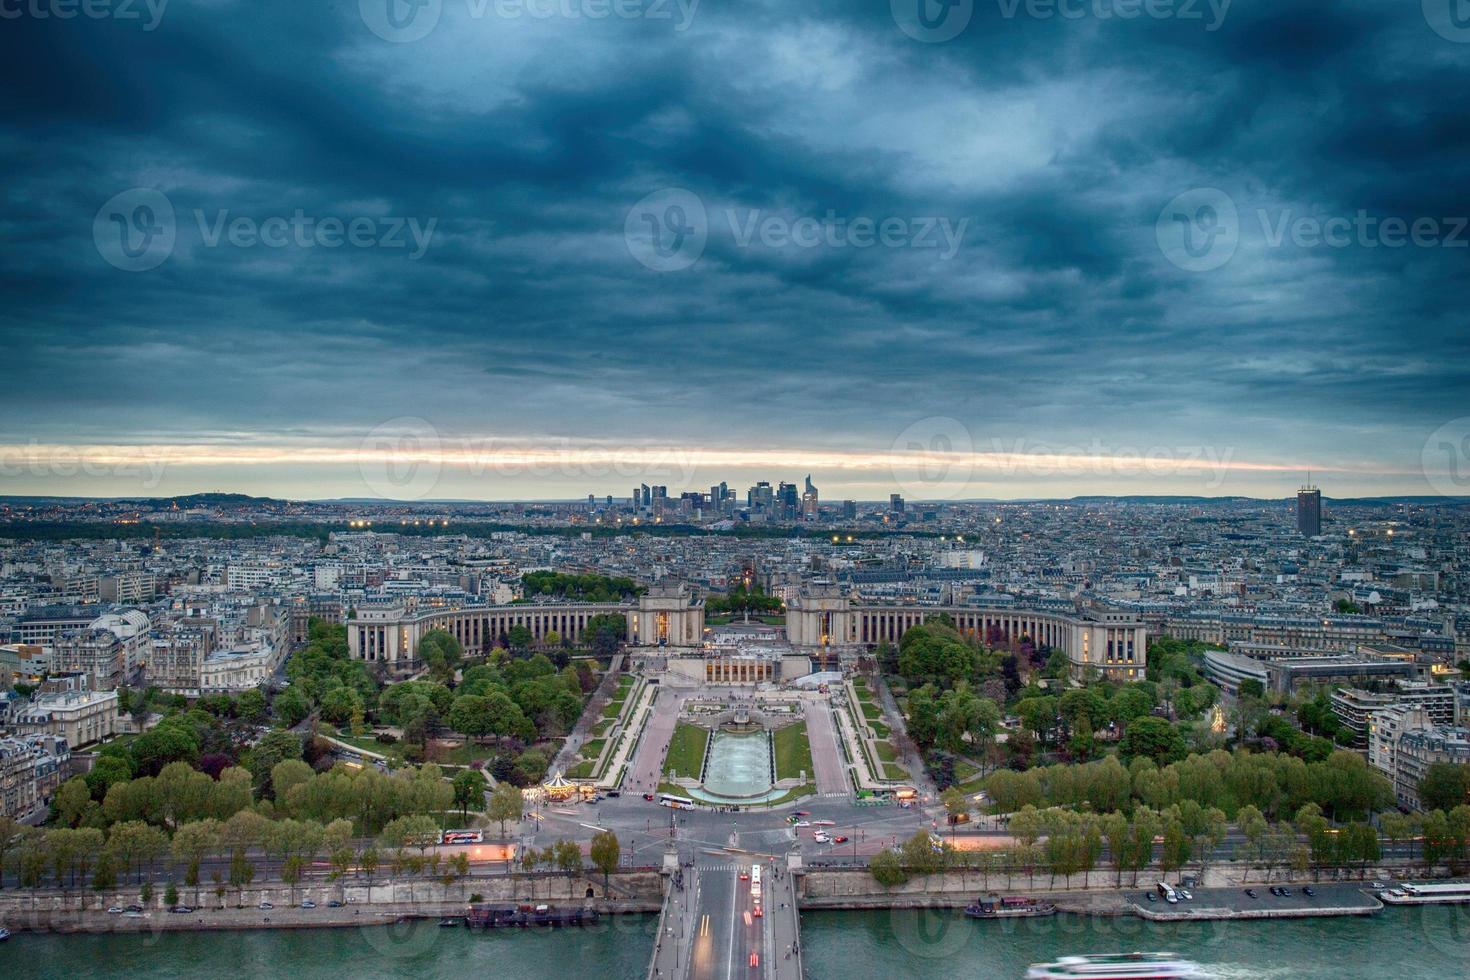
712	930
831	773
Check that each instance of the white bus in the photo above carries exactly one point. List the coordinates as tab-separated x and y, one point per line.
1168	893
675	802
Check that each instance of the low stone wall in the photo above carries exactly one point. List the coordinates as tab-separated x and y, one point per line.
1096	892
363	904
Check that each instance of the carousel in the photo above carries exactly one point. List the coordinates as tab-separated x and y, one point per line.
558	790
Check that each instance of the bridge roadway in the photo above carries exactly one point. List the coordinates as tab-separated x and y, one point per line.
709	929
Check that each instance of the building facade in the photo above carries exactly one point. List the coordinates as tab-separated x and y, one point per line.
1110	642
665	615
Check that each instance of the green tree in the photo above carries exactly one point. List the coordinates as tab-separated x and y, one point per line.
1176	847
1152	738
887	870
191	844
506	803
605	853
1445	786
72	801
469	790
955	803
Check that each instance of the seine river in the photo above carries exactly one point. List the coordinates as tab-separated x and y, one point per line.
1397	943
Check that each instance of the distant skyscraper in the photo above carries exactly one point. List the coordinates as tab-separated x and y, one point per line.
788	501
809	504
895	503
849	509
1309	511
759	497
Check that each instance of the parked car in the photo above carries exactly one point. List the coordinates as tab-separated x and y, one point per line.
1185	894
1379	886
839	839
182	910
308	904
614	794
334	904
114	910
265	906
1309	892
1149	896
1250	893
135	908
1285	892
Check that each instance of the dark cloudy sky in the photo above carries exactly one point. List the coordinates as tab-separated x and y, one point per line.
1198	251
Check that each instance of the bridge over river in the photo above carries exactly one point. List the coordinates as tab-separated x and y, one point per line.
709	929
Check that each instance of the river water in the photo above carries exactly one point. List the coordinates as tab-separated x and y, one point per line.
1396	943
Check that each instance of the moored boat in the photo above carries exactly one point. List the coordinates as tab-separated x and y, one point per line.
1118	966
1010	907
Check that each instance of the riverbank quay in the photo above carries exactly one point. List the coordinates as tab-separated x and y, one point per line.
1221	895
331	906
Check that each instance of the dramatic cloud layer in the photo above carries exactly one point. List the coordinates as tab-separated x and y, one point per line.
249	238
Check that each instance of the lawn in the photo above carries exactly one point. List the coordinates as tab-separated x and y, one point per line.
620	695
793	752
686	750
886	751
457	754
593	748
